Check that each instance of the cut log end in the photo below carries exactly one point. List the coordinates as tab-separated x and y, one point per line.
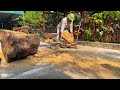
16	45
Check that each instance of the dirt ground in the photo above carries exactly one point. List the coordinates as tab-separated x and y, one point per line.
73	62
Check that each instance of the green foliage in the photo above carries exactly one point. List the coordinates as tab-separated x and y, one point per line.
101	17
50	19
100	35
87	34
98	18
104	20
31	18
113	15
77	18
106	29
117	26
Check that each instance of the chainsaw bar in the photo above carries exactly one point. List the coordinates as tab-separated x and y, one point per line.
60	45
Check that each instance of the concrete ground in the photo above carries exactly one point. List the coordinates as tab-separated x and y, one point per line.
91	63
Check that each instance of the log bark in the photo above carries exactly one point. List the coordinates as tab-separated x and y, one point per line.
16	45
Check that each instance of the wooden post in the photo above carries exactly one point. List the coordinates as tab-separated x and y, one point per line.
64	13
11	25
43	18
79	25
2	26
82	24
57	17
82	14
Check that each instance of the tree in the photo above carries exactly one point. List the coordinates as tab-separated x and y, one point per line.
31	18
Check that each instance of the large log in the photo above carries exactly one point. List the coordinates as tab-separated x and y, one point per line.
16	45
68	37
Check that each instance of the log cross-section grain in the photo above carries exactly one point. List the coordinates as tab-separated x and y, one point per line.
16	45
68	37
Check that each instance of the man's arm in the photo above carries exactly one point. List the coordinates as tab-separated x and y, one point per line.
71	27
62	25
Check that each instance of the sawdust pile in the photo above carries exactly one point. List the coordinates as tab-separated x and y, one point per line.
91	66
71	61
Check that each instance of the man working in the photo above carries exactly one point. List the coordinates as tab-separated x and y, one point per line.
65	24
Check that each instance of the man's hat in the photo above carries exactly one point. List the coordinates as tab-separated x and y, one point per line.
71	16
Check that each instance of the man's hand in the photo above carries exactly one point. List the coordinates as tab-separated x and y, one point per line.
61	34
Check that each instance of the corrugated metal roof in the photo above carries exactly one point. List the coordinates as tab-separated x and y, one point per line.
13	12
6	16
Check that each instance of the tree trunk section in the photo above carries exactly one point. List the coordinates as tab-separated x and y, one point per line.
16	45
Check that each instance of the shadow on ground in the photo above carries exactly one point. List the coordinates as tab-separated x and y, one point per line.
44	73
114	70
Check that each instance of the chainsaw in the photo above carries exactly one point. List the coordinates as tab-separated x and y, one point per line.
66	41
